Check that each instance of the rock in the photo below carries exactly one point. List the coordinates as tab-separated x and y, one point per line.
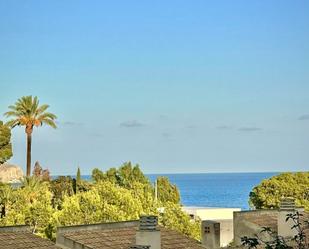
10	173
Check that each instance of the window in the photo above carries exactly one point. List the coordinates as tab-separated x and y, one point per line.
207	229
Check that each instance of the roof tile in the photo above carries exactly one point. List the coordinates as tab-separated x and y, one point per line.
24	240
122	238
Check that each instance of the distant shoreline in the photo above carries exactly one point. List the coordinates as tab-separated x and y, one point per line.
194	173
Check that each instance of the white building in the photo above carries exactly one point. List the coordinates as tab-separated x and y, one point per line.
210	213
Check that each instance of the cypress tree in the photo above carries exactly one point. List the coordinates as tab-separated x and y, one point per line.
78	177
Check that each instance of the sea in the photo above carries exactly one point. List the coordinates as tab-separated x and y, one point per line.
214	189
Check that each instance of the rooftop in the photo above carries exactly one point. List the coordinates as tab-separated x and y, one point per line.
119	235
19	237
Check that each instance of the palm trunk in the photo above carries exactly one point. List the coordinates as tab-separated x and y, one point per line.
29	138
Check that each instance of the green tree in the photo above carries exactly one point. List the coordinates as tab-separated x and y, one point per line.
116	195
105	203
61	187
82	208
30	205
78	176
112	175
174	218
124	176
270	191
129	174
28	113
167	192
5	143
77	182
118	199
97	175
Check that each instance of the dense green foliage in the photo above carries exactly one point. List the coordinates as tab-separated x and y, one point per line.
115	195
173	217
131	178
5	143
30	204
61	188
269	192
125	176
167	192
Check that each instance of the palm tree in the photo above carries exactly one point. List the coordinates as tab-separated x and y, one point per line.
27	112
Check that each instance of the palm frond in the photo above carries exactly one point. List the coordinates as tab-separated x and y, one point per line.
12	123
23	104
27	110
12	107
11	114
42	109
34	104
49	122
47	115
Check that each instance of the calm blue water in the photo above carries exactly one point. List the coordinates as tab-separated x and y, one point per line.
214	190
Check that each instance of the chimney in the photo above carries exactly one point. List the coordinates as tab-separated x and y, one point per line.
287	206
148	233
216	233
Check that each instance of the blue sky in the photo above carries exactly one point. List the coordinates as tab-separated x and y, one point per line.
176	86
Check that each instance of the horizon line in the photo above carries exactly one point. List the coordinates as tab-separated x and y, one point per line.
195	173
